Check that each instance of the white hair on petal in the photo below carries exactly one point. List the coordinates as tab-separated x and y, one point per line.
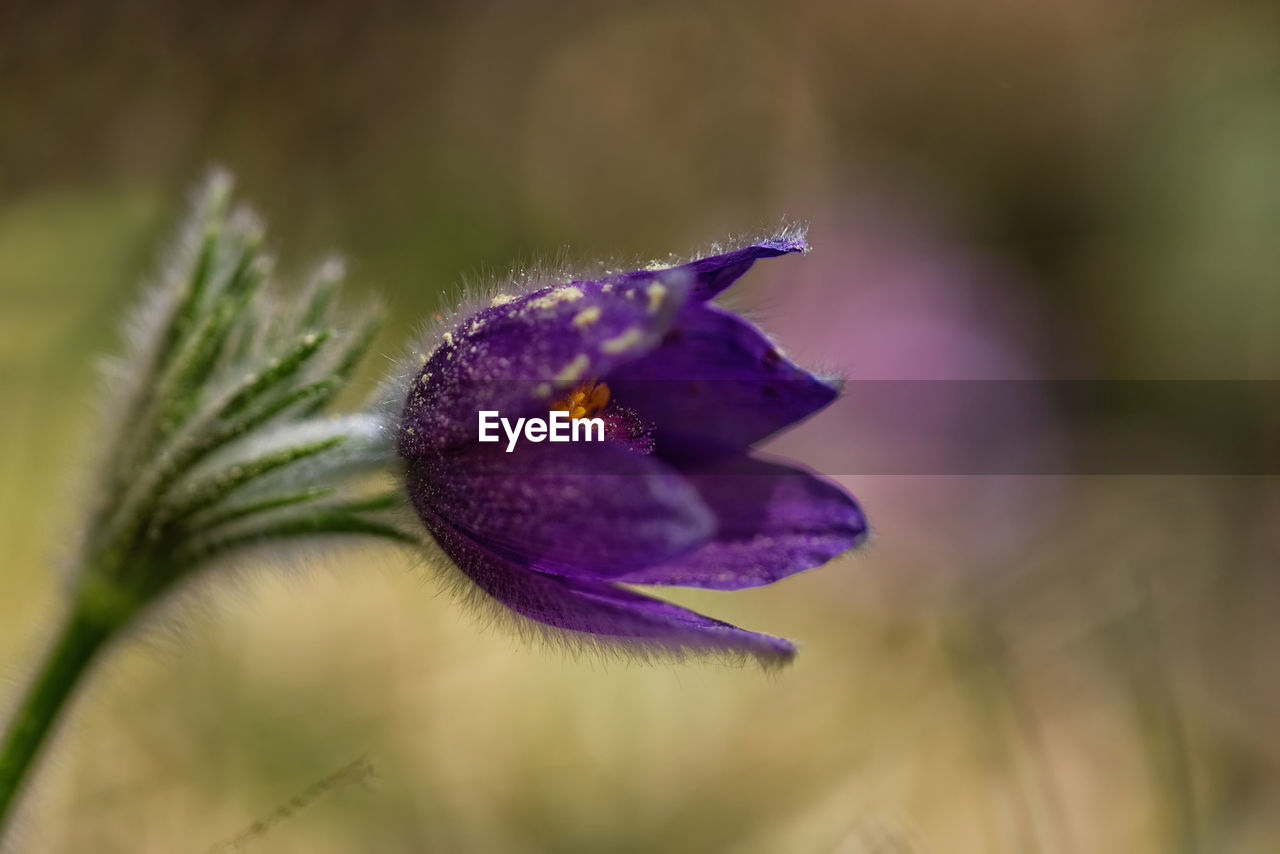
491	615
478	292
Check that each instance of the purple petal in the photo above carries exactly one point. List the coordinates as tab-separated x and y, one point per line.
591	510
603	613
716	385
774	520
716	273
516	356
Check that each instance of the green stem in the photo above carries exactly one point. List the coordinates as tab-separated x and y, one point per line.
34	717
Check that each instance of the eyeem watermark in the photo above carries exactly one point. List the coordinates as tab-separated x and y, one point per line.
558	426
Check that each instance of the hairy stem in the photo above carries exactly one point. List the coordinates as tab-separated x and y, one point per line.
34	718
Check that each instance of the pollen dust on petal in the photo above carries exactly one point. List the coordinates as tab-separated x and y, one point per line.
586	317
573	371
501	299
568	293
657	293
623	342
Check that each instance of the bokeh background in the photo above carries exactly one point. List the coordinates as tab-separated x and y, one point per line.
1069	662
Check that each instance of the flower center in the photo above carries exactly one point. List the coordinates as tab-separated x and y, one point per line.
584	401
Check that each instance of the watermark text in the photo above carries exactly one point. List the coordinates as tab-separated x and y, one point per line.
558	426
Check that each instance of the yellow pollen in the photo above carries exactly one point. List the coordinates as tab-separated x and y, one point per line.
623	342
657	293
587	316
584	401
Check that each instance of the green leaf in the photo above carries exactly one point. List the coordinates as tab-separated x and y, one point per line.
373	503
357	345
211	490
309	525
276	371
237	512
320	295
210	214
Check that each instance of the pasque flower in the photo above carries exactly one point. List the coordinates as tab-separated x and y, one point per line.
672	496
222	438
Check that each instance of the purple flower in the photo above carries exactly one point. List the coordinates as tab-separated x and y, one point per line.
681	388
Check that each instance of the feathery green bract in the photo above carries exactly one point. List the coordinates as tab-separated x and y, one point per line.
355	348
222	436
320	294
212	490
293	527
235	512
220	440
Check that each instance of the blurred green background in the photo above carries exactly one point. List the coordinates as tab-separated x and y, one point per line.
998	189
